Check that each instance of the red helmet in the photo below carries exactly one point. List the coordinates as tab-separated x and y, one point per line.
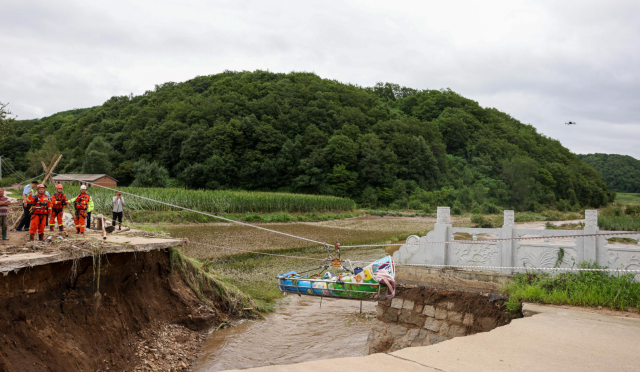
59	186
41	186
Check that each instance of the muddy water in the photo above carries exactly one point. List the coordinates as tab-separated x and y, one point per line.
300	330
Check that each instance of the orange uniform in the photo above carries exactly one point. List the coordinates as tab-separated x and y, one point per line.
40	204
81	203
58	202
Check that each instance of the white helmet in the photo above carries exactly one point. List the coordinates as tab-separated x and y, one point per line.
83	187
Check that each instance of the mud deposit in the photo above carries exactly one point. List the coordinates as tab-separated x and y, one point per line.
53	319
298	331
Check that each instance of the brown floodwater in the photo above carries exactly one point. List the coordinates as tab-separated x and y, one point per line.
299	331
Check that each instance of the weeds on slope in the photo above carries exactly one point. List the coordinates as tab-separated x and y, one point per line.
584	288
213	291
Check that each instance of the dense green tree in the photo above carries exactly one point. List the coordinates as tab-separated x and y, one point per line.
149	174
620	172
96	157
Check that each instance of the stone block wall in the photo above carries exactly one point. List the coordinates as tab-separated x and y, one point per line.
426	316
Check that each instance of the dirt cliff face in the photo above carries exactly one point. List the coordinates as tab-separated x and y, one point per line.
56	318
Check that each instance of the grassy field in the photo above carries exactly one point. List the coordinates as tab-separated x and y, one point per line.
181	217
620	218
627	198
585	288
224	201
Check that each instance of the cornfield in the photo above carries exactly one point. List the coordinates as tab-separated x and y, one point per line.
220	201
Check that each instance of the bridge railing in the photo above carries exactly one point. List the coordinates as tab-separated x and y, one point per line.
548	250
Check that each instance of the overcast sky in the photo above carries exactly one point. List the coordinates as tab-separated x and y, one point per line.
543	62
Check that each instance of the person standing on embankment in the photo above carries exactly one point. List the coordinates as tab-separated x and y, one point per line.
4	214
41	205
118	210
58	201
80	203
28	190
90	208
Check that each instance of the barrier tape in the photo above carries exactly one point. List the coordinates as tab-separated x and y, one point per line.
511	267
494	240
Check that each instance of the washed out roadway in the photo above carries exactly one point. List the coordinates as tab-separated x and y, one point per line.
555	339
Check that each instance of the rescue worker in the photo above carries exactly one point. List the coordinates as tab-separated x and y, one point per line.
40	204
58	202
80	203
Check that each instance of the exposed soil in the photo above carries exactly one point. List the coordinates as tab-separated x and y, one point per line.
53	319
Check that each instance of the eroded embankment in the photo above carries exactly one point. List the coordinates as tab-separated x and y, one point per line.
425	316
53	318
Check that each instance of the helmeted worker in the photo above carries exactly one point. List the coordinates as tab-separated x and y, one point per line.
80	203
40	204
58	202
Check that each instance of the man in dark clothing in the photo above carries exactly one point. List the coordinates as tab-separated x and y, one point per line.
25	222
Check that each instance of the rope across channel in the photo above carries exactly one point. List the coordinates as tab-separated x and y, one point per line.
327	245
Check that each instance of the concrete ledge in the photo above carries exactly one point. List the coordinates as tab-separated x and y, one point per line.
452	279
113	244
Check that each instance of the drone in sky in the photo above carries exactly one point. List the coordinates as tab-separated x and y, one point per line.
570	123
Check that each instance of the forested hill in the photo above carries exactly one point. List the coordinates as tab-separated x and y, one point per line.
620	172
386	145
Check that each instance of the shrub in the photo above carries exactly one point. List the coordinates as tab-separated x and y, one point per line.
563	205
482	221
456	210
7	181
488	208
632	210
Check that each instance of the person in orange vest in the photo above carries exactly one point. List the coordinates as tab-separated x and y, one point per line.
40	204
81	203
58	202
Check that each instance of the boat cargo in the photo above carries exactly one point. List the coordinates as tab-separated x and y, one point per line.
371	283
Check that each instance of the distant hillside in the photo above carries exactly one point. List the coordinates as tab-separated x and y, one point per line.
620	172
384	145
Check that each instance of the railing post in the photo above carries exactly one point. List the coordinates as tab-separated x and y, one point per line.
590	243
441	234
506	246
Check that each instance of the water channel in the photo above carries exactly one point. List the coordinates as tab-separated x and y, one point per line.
300	330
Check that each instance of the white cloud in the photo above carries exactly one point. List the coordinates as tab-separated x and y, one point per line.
543	62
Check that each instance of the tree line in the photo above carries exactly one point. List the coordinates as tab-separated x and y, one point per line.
620	172
383	146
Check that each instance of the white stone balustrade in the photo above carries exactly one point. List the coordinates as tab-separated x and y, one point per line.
521	254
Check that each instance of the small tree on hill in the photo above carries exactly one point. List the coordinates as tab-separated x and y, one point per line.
149	174
5	120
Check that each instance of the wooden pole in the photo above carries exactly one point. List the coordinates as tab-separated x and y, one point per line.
51	169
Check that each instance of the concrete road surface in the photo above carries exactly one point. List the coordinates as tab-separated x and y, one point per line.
553	340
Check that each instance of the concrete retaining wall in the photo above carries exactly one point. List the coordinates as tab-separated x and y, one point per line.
426	316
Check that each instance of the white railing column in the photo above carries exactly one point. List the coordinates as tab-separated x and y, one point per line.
506	246
590	242
441	234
